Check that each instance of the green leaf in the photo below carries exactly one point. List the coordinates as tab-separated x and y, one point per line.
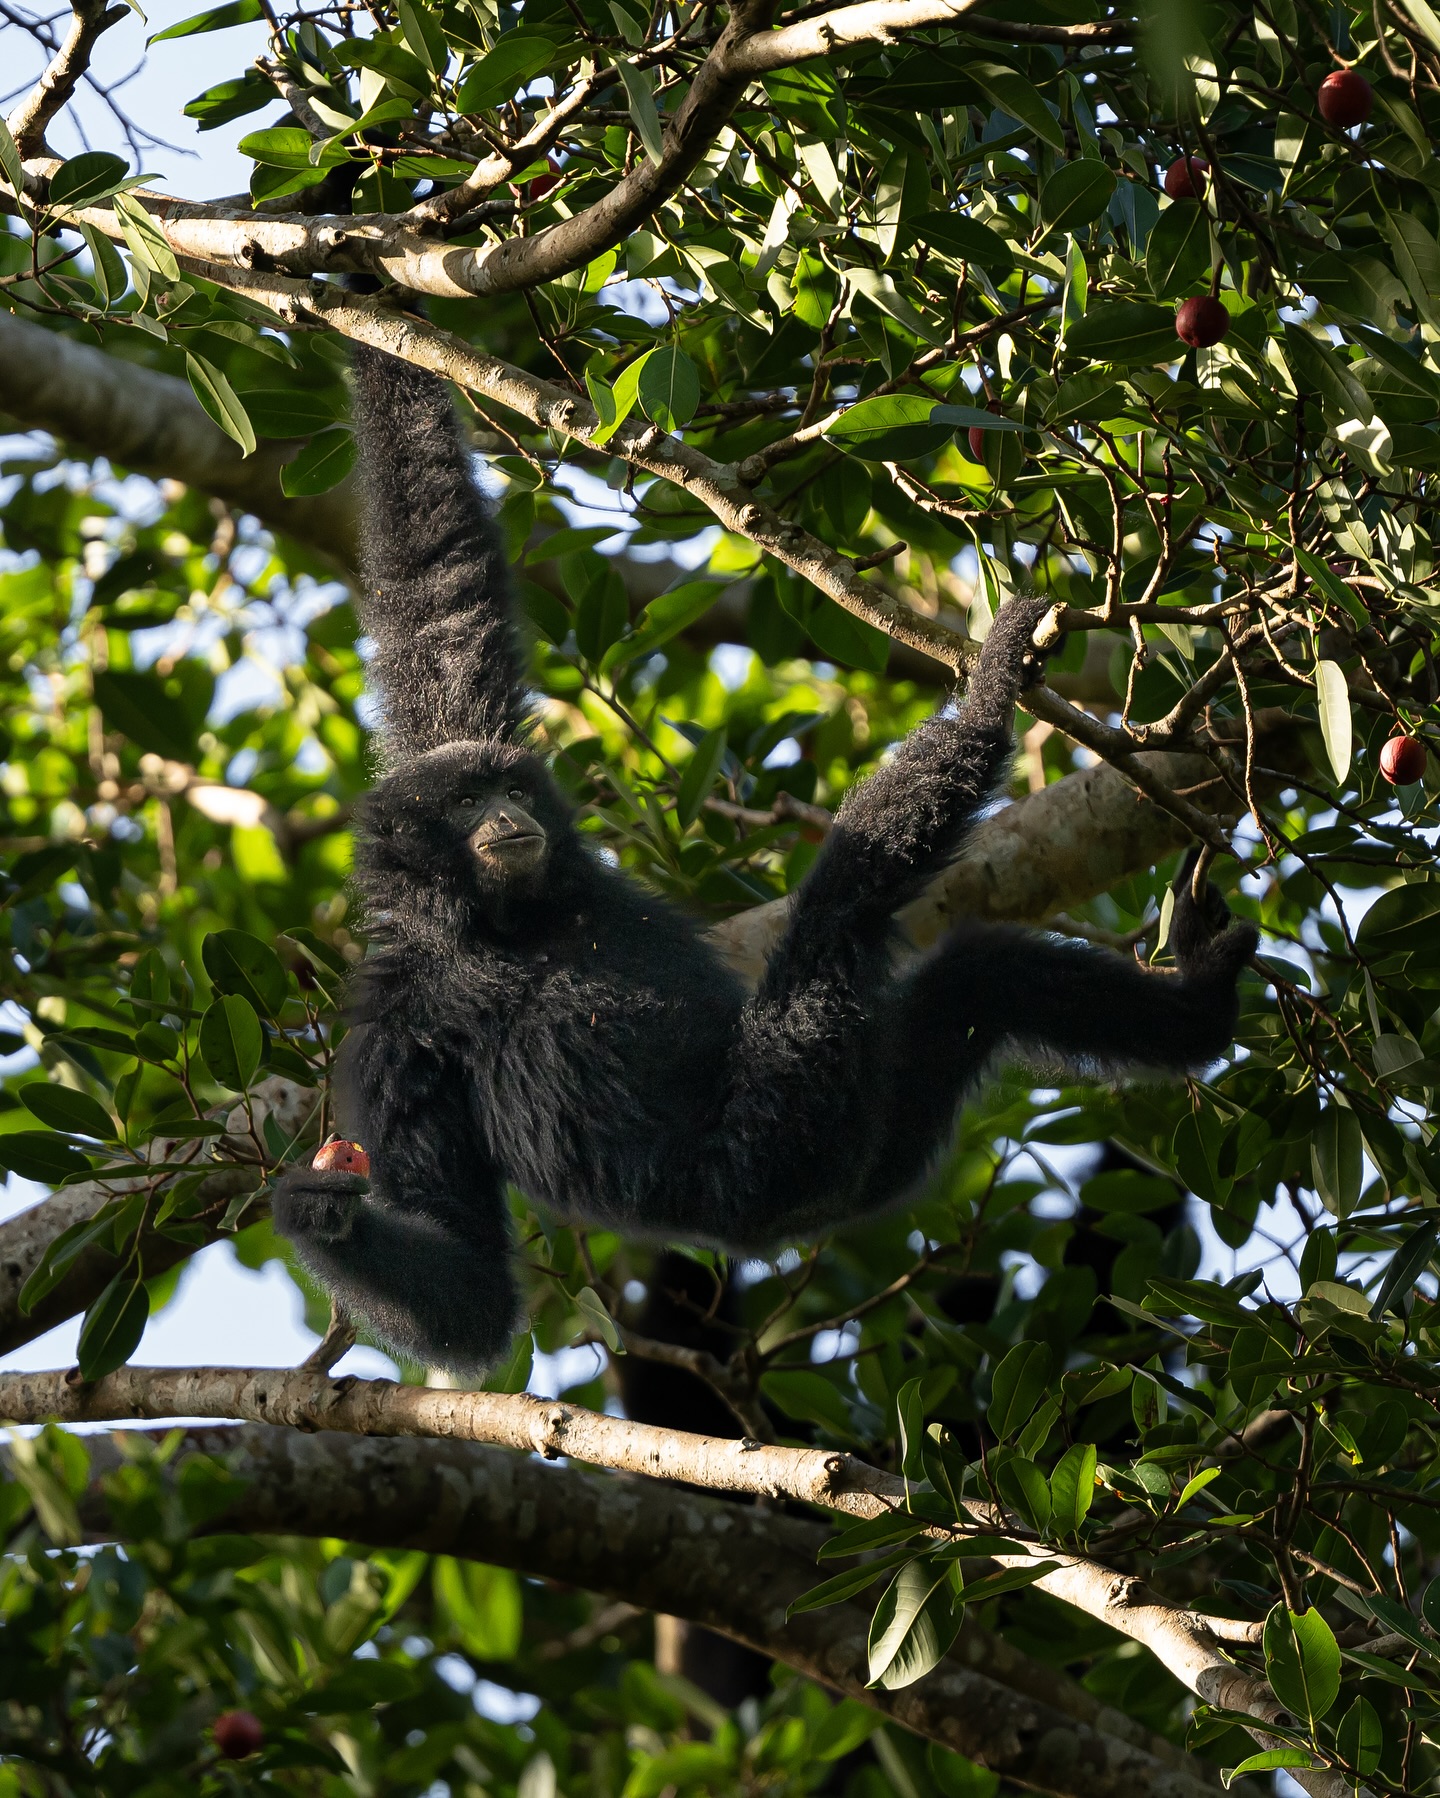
1177	252
288	147
11	167
913	1626
1404	921
669	388
1360	1737
288	411
701	773
1322	371
219	399
1124	331
323	463
663	619
808	1396
111	276
139	706
1335	722
85	179
1025	1489
910	1414
841	1586
1302	1662
1076	194
1337	1152
886	1531
145	239
64	1251
1269	1761
516	60
640	93
893	427
597	1319
62	1108
622	399
843	637
1012	93
231	1041
424	34
966	239
215	18
240	963
113	1327
1016	1386
42	1156
1072	1488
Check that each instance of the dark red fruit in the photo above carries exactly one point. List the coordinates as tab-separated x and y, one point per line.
1402	761
1201	321
1187	178
238	1733
345	1158
977	443
1345	99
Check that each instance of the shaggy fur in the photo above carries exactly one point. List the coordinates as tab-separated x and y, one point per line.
569	1031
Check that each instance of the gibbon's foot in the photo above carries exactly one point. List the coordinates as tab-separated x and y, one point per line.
320	1205
1209	943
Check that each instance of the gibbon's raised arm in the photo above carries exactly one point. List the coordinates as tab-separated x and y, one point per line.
438	602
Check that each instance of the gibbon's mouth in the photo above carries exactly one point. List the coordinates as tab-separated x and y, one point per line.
507	835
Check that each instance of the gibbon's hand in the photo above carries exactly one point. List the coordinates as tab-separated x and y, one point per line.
311	1202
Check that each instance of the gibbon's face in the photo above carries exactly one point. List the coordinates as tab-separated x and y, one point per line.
478	813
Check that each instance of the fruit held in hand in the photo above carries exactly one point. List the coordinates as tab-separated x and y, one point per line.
1187	178
342	1157
1402	761
238	1733
1345	99
1201	321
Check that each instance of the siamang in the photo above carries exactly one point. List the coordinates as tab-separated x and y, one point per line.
528	1013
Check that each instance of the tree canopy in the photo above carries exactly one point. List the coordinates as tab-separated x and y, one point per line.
794	341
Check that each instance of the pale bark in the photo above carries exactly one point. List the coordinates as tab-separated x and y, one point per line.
152	423
29	120
728	1567
834	1481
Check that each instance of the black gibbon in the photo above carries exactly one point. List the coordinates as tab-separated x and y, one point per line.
529	1014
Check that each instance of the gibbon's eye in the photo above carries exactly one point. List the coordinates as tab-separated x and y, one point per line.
516	793
466	800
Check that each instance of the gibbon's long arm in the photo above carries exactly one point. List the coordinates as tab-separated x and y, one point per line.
424	1255
903	824
439	603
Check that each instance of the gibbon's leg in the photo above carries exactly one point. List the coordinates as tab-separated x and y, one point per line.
438	600
988	988
422	1250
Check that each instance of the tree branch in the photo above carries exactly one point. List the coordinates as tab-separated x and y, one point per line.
153	423
29	121
834	1481
729	1568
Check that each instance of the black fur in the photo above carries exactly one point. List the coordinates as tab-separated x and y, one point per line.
567	1030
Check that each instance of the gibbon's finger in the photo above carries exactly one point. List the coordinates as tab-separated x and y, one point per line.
1200	874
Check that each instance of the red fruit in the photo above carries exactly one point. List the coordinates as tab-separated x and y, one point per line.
1187	178
976	441
1345	99
238	1733
343	1157
1201	321
1402	761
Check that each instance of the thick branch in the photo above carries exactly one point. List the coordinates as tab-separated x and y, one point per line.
836	1482
153	423
731	1568
384	245
29	120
